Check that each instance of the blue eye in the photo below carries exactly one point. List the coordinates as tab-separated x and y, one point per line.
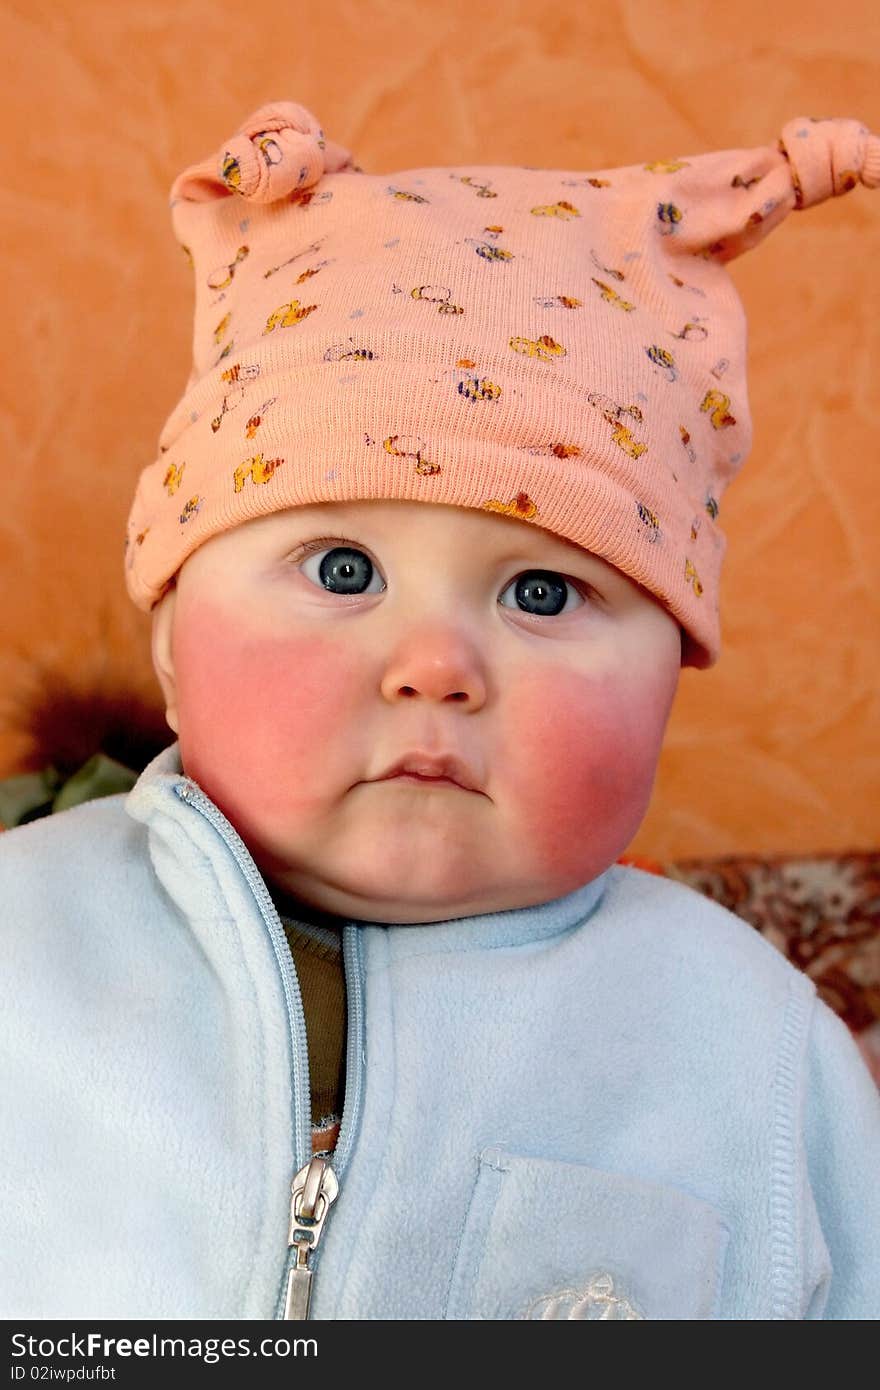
541	593
343	570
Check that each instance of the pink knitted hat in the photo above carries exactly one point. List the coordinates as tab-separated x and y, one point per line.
562	347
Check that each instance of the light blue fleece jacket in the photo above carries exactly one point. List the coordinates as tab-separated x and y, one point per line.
621	1103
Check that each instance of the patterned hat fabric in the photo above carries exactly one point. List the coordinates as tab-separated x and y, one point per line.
561	347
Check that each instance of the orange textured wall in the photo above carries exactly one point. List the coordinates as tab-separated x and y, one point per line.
775	749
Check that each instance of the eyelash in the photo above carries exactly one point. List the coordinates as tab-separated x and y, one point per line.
302	552
322	542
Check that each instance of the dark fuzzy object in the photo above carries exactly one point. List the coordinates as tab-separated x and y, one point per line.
66	726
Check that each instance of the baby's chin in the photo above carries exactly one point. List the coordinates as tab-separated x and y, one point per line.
414	904
337	904
432	869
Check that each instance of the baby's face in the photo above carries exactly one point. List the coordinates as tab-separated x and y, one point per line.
303	653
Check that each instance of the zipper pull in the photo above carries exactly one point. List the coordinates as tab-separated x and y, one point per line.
312	1190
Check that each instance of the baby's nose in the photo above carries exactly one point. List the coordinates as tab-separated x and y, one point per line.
436	666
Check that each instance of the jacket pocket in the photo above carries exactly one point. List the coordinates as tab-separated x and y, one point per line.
552	1240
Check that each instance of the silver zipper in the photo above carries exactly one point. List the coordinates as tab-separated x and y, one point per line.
311	1193
300	1267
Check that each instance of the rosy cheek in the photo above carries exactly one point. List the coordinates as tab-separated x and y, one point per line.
579	763
258	713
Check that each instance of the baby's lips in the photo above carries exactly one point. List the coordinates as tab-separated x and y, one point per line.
281	147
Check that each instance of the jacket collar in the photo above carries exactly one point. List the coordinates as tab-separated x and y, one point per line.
153	796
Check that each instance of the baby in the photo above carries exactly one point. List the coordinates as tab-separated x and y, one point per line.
348	1010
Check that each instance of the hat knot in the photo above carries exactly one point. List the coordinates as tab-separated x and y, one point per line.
829	156
279	148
